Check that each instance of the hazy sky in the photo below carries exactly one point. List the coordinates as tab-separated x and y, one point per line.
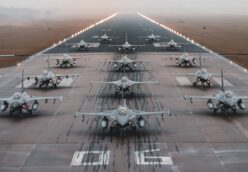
76	7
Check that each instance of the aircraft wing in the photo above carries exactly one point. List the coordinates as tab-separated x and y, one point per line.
191	98
115	45
148	82
5	99
213	74
34	98
140	61
136	113
32	77
110	114
241	97
111	82
66	75
138	45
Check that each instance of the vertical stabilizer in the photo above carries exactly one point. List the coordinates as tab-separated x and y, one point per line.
222	81
22	87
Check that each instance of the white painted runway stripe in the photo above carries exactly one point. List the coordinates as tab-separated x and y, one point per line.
66	82
226	82
94	45
183	81
26	83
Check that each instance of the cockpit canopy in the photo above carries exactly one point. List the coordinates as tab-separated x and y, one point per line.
45	73
122	111
17	96
124	79
228	94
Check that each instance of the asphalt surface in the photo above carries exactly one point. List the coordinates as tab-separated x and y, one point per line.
191	139
135	27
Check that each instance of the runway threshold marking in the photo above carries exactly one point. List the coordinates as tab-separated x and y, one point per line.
79	158
142	159
157	45
183	81
26	83
94	45
226	82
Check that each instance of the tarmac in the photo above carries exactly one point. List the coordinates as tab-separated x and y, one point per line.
191	139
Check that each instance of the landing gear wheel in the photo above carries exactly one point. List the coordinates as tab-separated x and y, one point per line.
194	84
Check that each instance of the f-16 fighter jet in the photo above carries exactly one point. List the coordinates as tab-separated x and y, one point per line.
48	78
82	45
152	37
123	117
126	63
172	45
222	101
184	60
104	38
126	47
23	102
202	76
124	85
66	60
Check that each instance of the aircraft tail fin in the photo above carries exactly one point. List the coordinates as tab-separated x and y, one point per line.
222	80
200	61
124	102
22	85
126	37
48	63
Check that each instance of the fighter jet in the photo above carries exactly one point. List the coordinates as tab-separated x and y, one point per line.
126	47
124	85
123	117
202	76
104	38
171	45
184	60
48	78
22	101
82	45
222	101
152	37
66	60
126	63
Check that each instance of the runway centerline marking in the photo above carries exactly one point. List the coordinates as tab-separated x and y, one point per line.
183	81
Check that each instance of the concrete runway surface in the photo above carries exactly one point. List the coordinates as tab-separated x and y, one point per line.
192	139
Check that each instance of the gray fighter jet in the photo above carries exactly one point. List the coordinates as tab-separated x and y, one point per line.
172	45
66	60
48	78
202	76
82	45
126	47
126	63
222	101
104	38
184	60
22	101
124	85
152	37
123	117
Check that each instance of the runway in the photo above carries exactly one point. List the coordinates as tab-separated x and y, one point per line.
132	25
191	139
